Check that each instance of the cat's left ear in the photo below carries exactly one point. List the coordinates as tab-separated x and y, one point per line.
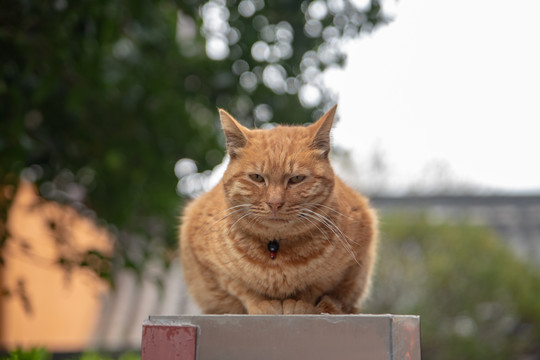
322	128
235	134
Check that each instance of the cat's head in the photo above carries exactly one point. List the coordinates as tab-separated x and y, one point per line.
276	175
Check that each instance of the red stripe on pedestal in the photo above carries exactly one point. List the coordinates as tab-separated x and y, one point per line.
169	342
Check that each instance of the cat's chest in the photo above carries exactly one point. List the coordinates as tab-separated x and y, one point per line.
283	271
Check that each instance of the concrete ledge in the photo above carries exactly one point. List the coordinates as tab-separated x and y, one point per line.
239	337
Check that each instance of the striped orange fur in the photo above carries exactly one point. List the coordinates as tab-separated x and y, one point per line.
279	185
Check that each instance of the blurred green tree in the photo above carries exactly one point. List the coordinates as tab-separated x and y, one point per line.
98	99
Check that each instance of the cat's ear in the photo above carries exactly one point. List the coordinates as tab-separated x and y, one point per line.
322	128
235	134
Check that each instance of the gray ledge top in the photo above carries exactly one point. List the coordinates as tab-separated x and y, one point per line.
373	337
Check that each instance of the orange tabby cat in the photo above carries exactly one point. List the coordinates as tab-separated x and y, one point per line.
280	234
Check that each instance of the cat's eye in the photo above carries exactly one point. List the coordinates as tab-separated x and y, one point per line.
256	177
296	179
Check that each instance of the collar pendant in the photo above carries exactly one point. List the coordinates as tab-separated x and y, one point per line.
273	247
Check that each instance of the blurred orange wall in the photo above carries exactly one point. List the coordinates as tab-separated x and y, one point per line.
47	305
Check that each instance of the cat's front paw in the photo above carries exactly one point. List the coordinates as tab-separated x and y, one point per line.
277	307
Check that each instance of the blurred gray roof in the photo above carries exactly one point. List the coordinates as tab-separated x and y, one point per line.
516	219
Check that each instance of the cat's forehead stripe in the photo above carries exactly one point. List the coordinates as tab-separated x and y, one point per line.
278	155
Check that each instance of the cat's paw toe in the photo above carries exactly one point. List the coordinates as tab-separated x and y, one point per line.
291	306
328	305
267	307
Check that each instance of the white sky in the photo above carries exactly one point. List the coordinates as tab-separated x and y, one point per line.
447	82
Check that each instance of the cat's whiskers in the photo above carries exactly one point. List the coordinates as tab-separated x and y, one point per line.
236	222
254	219
349	240
237	257
304	217
330	225
223	223
235	210
343	242
329	208
327	221
237	207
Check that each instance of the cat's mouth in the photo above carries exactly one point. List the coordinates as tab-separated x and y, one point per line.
276	219
279	218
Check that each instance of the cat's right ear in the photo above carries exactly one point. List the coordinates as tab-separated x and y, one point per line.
235	134
322	128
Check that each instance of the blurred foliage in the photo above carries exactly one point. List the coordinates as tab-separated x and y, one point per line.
476	299
42	354
100	356
32	354
99	99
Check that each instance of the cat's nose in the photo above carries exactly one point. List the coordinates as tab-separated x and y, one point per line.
275	206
